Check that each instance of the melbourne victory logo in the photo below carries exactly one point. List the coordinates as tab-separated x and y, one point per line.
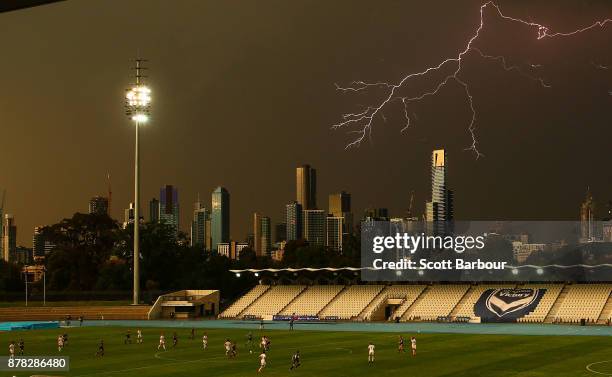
507	304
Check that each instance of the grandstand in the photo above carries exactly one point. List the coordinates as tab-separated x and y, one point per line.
556	303
50	313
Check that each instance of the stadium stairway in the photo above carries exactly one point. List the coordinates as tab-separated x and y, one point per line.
408	301
57	313
373	305
240	305
552	313
606	312
414	304
439	301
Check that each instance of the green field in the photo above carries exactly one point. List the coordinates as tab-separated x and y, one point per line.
323	354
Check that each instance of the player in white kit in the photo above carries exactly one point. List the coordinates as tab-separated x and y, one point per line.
60	343
262	361
139	336
413	345
162	342
205	341
371	348
12	350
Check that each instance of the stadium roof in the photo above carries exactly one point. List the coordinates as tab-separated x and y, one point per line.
9	5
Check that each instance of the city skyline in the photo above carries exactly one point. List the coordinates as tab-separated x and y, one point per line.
63	151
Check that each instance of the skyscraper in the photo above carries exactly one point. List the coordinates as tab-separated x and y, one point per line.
128	215
169	207
280	232
306	187
9	237
335	232
98	205
339	203
340	206
40	245
587	216
262	235
314	226
439	211
294	221
220	218
199	225
154	210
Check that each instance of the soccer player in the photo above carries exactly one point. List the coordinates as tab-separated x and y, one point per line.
291	320
65	336
174	340
413	345
261	324
205	341
12	350
139	338
80	320
371	348
250	341
21	347
295	360
60	343
128	337
192	336
262	361
228	347
100	351
162	342
234	351
400	344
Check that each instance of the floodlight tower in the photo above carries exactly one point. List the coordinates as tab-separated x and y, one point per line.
138	108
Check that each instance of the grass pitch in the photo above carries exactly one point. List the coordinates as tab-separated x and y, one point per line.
323	354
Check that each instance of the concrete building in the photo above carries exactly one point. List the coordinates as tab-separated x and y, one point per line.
314	226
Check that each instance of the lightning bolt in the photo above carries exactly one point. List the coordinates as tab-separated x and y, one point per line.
363	120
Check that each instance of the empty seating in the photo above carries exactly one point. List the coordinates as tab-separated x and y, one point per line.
546	303
438	300
239	305
50	313
465	308
312	300
583	301
273	300
350	302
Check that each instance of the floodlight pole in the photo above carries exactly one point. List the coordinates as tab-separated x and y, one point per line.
137	218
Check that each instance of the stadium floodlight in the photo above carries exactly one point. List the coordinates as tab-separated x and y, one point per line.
257	274
138	109
515	271
237	274
540	271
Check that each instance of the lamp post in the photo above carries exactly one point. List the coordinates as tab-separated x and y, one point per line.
138	106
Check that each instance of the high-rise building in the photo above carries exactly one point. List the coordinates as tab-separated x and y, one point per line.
294	221
169	207
376	214
38	242
306	187
262	235
335	232
154	210
340	206
98	205
314	226
339	203
266	236
40	245
280	232
9	237
587	216
128	215
231	249
439	211
199	226
220	217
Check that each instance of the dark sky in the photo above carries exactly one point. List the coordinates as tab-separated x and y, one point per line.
244	92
